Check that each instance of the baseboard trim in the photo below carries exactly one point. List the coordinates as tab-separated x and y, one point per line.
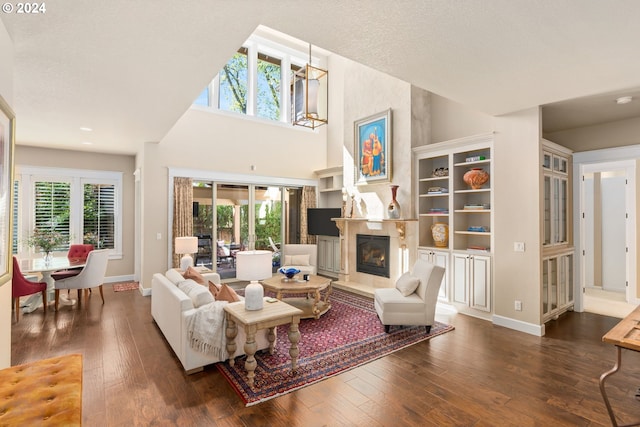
528	328
116	279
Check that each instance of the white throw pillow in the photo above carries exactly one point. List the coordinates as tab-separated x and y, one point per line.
407	284
287	260
199	294
174	276
299	259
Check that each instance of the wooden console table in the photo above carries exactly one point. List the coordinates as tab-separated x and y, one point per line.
625	334
42	393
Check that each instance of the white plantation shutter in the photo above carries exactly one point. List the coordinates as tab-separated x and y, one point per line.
52	207
99	215
16	222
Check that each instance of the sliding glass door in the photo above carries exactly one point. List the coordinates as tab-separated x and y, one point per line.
231	217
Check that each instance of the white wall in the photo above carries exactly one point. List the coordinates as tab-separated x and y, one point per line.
607	135
6	90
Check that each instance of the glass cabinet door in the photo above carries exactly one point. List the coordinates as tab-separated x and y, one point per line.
547	210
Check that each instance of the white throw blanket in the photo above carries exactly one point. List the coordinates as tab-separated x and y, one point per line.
206	329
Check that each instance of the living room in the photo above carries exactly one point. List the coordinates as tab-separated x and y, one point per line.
202	143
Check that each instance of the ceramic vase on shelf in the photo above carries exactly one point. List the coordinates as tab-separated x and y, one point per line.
393	210
440	233
476	178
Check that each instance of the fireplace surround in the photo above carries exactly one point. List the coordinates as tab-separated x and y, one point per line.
372	254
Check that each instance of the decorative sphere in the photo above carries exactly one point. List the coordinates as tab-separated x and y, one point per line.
289	272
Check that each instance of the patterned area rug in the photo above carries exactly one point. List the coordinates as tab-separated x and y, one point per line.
125	286
347	336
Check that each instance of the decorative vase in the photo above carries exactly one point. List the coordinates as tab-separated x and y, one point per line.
47	256
393	210
440	233
476	178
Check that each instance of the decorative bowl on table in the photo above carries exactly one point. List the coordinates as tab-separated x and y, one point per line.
289	272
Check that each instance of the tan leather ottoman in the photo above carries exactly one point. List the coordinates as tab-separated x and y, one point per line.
43	393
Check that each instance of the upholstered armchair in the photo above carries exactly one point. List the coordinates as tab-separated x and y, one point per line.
76	252
413	300
304	257
92	275
21	287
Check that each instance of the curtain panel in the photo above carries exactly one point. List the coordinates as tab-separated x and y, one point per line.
182	212
308	200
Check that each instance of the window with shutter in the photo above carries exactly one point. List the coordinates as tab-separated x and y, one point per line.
99	215
52	208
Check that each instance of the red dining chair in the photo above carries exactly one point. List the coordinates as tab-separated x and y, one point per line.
21	287
76	253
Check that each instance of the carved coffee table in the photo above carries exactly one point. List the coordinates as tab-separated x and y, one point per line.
313	304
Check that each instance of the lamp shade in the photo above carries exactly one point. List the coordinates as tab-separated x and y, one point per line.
254	266
186	246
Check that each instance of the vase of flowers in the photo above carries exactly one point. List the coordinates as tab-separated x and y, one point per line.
46	241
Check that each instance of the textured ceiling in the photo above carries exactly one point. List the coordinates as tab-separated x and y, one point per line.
130	69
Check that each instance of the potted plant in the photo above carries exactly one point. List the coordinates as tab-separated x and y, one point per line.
46	241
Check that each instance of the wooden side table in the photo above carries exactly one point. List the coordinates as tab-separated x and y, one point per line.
625	334
272	314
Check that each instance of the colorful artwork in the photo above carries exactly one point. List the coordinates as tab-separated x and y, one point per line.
373	148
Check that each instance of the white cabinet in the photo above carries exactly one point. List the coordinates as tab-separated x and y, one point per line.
441	259
472	281
329	255
555	171
444	197
557	285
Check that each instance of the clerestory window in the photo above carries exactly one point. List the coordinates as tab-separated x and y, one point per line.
255	81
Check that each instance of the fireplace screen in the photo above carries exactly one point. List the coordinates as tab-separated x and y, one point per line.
372	254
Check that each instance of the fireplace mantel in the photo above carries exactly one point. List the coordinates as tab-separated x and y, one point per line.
403	241
401	224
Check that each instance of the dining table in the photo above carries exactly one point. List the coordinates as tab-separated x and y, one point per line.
46	268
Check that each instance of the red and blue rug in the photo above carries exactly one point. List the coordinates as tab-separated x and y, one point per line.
347	336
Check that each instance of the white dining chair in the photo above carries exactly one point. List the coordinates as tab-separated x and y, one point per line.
91	276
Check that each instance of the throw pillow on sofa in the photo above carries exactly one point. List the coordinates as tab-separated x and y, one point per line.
199	294
227	294
174	276
192	274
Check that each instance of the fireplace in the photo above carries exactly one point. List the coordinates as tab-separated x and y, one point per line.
372	254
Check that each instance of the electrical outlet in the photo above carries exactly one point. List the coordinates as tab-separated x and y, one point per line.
518	246
518	305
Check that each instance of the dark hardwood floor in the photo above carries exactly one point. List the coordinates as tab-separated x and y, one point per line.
477	375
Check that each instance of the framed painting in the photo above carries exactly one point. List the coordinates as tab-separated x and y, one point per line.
372	153
7	132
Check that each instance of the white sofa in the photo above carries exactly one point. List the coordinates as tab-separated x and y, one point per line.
293	254
170	308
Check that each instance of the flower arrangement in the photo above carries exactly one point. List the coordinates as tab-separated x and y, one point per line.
47	240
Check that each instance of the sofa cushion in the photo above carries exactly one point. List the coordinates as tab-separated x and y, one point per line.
174	276
407	284
226	293
296	259
199	294
191	273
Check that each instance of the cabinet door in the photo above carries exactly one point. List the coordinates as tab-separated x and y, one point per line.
440	259
322	253
460	278
480	279
336	255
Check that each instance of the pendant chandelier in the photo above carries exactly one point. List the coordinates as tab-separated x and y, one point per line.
309	96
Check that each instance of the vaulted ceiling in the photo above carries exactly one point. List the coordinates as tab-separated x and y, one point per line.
130	69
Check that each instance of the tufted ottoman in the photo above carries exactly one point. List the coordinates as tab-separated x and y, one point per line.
43	393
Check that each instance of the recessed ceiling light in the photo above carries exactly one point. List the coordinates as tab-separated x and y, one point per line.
624	100
87	143
86	129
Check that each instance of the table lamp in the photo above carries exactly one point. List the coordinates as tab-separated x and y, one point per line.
186	246
253	266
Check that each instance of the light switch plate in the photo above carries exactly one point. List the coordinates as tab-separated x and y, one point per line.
518	246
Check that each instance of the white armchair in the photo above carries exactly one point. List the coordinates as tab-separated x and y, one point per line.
92	275
304	257
403	305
